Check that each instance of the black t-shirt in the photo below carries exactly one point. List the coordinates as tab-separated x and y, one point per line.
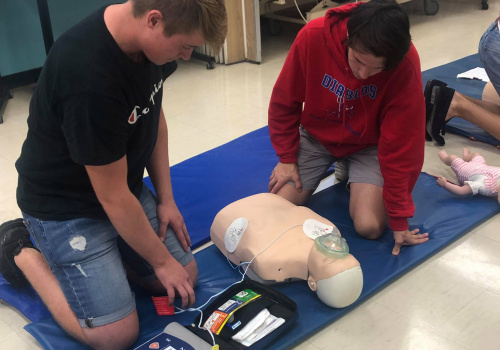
92	105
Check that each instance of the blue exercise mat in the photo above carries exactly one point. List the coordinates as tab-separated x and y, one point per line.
26	300
438	212
473	88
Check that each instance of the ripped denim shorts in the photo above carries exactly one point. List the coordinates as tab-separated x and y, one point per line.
86	255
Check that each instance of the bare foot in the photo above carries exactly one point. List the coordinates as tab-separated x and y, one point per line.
444	157
468	156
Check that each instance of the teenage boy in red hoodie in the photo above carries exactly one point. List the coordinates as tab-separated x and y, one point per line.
351	89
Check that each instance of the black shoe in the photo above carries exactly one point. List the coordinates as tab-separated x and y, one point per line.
13	237
441	99
428	105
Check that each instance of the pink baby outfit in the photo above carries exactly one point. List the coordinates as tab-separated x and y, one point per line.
480	177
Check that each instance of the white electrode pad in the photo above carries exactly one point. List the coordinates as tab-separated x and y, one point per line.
313	228
234	233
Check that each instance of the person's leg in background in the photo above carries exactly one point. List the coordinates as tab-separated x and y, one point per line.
448	103
490	94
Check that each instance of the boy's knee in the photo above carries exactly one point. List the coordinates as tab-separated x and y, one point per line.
192	270
121	334
369	229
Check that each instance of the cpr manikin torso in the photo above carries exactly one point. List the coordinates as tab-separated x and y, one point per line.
258	220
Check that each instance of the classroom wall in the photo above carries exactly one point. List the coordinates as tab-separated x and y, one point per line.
21	41
22	46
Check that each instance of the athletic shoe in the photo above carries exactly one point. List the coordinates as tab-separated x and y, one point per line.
441	100
13	237
428	105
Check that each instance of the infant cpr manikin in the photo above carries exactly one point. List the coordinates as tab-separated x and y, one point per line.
288	242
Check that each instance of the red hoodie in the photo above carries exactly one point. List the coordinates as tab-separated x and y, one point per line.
317	89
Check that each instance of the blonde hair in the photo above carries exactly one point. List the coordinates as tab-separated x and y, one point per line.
186	16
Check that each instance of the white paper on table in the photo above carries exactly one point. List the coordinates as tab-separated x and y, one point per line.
477	73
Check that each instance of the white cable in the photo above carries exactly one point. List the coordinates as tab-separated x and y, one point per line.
300	13
270	244
242	278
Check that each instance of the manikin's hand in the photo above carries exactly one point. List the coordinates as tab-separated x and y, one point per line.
175	279
407	237
441	181
282	174
169	215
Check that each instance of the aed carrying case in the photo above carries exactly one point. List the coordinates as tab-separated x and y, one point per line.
278	305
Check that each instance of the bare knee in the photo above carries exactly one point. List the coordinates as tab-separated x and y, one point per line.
291	194
192	270
369	229
490	94
367	210
121	334
445	158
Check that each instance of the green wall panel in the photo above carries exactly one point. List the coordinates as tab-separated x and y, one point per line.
21	40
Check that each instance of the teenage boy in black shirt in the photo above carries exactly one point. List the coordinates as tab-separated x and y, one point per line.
95	123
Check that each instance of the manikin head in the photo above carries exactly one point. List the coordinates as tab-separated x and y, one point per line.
334	274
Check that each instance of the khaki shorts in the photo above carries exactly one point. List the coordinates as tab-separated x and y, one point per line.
314	160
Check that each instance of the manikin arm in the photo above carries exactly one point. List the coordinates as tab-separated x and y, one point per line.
455	189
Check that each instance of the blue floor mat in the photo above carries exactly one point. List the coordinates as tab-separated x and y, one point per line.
26	300
473	88
438	212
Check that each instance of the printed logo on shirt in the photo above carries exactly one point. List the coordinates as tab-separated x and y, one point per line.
339	116
339	89
156	88
135	115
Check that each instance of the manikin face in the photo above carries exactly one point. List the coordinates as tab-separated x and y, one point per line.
160	49
364	65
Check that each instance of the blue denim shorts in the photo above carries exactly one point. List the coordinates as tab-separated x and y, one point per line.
86	257
489	53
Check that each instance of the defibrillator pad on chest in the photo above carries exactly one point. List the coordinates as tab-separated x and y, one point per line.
314	228
234	233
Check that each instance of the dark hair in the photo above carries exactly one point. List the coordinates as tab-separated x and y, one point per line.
381	28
